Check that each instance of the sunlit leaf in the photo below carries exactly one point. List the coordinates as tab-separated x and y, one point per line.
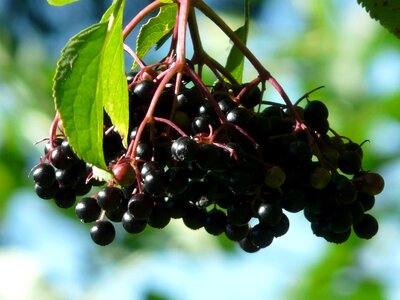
89	78
155	29
60	2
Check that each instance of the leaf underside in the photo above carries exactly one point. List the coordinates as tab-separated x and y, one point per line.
235	60
387	12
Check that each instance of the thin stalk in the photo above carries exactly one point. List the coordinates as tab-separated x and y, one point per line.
183	14
265	74
200	54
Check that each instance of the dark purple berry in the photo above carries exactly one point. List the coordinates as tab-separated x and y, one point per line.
87	210
133	225
140	206
44	175
110	198
102	233
184	149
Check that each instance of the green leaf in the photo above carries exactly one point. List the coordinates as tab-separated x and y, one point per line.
101	174
60	2
113	79
235	61
166	1
155	29
165	38
386	12
89	78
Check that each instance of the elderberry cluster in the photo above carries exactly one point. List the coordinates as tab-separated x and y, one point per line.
224	161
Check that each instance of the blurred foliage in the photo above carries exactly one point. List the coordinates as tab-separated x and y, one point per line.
327	48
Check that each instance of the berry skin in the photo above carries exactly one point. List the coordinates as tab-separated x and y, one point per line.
67	149
140	206
160	216
269	213
215	222
46	193
59	159
248	246
144	151
143	91
202	123
184	149
367	201
299	152
239	116
194	217
316	122
370	183
102	233
236	233
226	104
239	213
44	175
87	210
319	178
208	157
133	225
124	174
261	235
367	227
110	198
67	178
65	197
345	192
282	227
177	180
155	182
251	97
275	177
315	111
349	162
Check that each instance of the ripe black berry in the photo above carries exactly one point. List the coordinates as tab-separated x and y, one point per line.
160	216
251	97
87	210
215	222
65	197
184	149
43	174
46	193
102	233
248	246
367	227
109	198
269	213
133	225
194	217
282	227
143	92
155	182
236	233
140	206
59	159
261	235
